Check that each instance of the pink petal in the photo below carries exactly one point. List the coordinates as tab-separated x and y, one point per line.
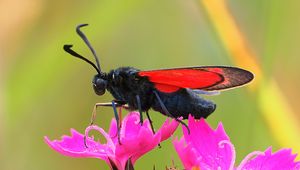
113	130
74	146
168	128
136	139
128	128
282	159
212	147
136	147
131	125
188	155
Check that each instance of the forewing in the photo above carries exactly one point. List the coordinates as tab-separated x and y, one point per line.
207	78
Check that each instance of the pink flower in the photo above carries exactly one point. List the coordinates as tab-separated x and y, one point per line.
136	140
207	149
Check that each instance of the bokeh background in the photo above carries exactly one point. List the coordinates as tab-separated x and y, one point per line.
45	91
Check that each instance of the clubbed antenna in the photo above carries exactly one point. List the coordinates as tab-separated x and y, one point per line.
84	38
68	49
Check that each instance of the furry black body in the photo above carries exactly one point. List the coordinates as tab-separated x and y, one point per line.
125	84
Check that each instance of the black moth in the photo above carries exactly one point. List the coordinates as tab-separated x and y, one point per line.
172	92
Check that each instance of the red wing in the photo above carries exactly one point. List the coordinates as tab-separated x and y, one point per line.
205	78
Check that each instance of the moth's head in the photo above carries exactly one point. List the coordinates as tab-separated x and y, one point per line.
99	84
99	80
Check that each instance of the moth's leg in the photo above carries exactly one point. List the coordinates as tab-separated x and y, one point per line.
141	114
138	100
117	120
168	113
150	121
94	113
120	115
151	124
114	105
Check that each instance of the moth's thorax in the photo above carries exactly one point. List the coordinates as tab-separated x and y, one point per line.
122	76
120	82
125	84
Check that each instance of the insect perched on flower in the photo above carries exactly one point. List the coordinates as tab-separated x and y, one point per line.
172	92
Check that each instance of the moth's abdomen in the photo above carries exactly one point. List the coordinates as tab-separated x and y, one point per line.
185	102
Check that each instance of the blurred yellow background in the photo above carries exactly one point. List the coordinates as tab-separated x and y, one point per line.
45	91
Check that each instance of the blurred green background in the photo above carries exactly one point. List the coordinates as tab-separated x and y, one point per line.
45	91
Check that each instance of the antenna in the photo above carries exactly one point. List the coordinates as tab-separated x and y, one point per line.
68	49
84	38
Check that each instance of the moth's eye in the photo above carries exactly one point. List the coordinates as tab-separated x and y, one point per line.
99	85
